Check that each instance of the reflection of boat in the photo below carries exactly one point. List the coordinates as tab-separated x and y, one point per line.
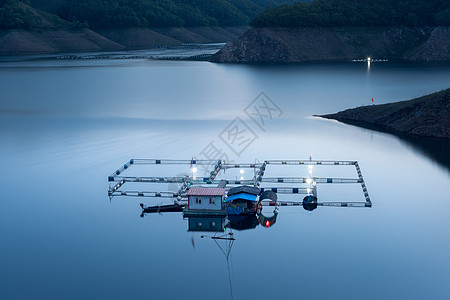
262	219
225	242
242	222
175	207
267	221
242	200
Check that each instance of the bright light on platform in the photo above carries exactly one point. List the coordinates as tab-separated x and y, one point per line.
242	171
194	169
308	181
369	59
242	178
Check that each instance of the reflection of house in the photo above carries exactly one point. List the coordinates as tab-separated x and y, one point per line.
208	223
205	199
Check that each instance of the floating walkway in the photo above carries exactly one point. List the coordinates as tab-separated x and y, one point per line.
300	185
182	52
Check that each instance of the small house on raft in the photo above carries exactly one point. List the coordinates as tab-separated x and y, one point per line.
205	201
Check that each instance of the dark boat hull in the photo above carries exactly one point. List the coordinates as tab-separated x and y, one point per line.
163	208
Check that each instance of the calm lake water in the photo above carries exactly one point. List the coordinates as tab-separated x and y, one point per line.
67	125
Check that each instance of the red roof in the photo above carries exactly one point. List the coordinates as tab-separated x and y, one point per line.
206	192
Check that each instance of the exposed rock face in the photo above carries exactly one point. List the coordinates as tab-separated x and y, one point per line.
425	116
287	45
436	48
255	46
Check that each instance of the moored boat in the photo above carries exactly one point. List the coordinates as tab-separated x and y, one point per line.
175	207
242	200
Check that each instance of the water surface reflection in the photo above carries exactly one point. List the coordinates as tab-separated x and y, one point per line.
64	129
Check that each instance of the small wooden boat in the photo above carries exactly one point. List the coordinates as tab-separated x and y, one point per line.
175	207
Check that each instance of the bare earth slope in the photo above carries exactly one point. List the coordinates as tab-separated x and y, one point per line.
425	116
53	41
436	48
51	34
138	38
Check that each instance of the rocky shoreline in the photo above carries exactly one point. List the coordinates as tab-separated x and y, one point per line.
293	45
427	116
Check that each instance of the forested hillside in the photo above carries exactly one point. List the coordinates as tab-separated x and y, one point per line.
18	14
263	13
330	13
135	13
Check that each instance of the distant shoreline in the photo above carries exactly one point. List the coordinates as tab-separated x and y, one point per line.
18	42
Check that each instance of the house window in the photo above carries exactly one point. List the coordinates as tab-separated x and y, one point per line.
198	200
212	200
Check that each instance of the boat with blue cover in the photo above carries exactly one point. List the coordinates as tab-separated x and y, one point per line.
242	200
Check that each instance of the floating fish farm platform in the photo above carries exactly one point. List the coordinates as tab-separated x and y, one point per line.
297	185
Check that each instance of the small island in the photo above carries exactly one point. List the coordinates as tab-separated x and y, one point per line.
427	116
